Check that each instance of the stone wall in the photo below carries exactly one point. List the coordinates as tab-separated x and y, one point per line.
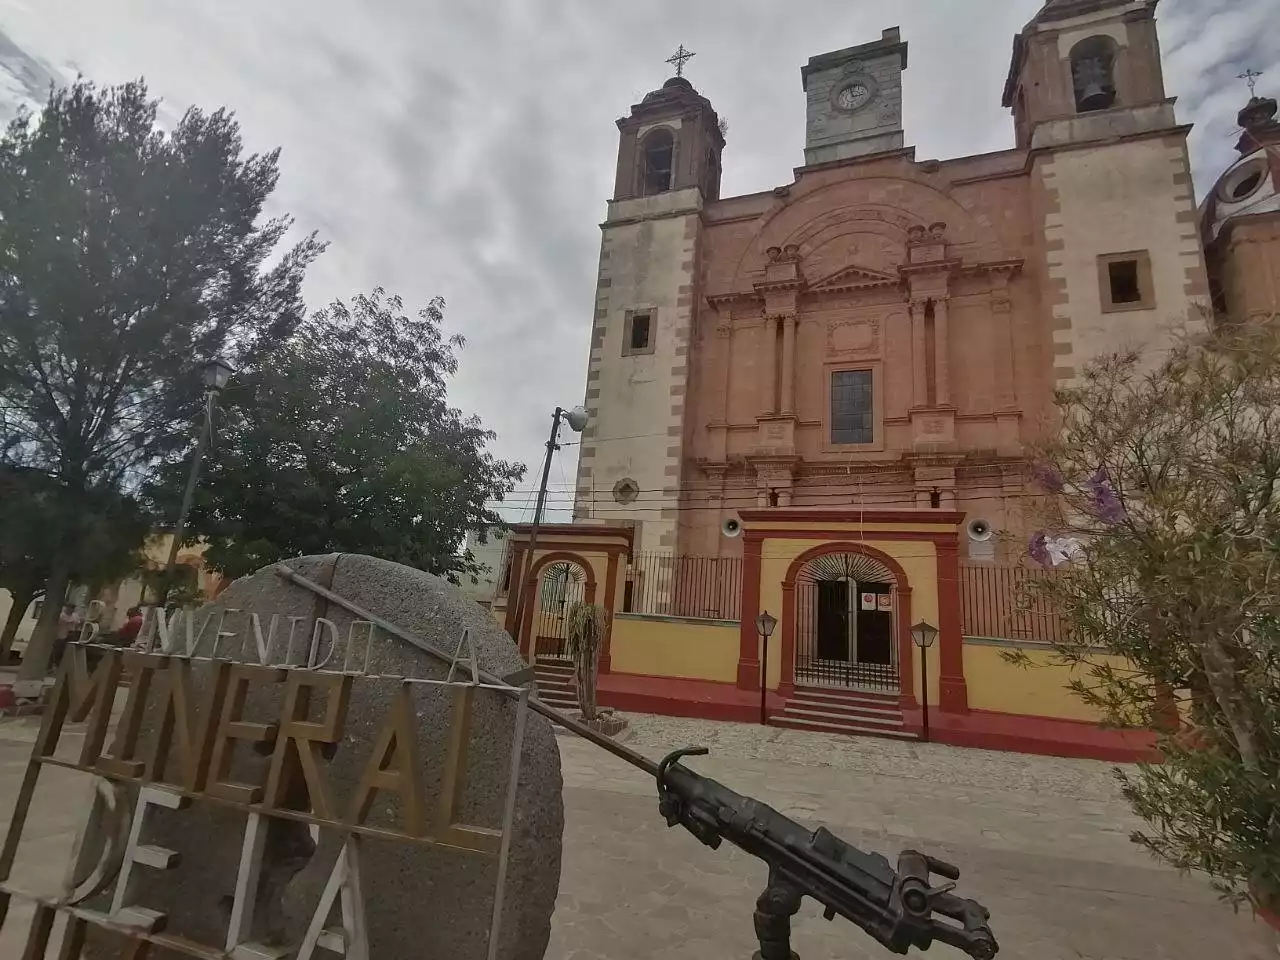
635	403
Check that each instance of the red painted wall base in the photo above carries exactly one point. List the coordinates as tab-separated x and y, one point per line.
669	697
978	728
1045	736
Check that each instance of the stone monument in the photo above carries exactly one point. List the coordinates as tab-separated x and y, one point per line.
292	753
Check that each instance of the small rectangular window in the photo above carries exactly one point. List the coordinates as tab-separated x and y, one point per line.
1123	275
852	407
1124	281
638	333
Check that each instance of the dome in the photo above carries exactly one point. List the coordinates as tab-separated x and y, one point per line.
675	86
1251	185
1248	187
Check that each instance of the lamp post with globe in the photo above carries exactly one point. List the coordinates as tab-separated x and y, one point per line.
765	624
923	634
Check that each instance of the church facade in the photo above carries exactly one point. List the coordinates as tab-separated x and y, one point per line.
883	331
818	401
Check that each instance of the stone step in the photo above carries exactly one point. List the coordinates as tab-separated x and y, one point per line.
554	670
563	676
849	729
560	703
887	717
833	703
843	696
555	679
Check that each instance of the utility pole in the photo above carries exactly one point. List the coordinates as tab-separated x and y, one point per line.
577	420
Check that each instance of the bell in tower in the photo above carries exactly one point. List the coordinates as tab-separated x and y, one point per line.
671	141
1092	72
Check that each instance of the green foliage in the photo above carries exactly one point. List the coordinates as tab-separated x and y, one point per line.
586	627
1168	473
340	438
107	530
104	533
128	256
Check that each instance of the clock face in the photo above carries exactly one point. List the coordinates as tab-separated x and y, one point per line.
853	96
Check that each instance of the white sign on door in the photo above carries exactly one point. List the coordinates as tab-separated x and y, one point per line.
868	601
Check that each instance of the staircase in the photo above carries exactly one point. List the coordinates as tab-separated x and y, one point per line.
555	684
838	710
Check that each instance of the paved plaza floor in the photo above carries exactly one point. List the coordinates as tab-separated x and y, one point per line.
1042	842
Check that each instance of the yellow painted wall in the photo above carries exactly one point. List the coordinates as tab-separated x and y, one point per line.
671	647
918	559
1039	690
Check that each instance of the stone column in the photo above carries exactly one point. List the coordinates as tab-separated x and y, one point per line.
748	640
1002	313
920	389
769	381
789	364
941	351
953	695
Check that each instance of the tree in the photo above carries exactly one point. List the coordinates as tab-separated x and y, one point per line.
128	256
107	531
1167	483
340	438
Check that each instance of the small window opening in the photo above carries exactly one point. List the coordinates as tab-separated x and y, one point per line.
659	150
1125	285
640	331
1246	186
1093	74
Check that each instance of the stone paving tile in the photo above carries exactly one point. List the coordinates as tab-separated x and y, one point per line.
1043	842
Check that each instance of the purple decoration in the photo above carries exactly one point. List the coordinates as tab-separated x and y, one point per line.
1106	502
1048	477
1038	549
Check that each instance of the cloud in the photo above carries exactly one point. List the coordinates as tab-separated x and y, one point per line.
468	149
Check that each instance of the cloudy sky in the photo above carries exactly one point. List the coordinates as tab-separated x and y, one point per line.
466	147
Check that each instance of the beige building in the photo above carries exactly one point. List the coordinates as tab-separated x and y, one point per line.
884	330
108	606
818	401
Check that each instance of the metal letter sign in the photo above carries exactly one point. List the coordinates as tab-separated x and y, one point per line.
205	723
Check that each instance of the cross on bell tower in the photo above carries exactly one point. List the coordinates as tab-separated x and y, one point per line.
679	58
1250	77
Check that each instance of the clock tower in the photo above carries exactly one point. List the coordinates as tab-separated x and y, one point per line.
855	100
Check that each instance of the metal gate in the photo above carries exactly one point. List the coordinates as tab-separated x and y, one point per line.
846	624
561	586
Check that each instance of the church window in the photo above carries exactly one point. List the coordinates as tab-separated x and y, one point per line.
1093	64
1243	182
637	333
658	152
1125	282
852	407
626	491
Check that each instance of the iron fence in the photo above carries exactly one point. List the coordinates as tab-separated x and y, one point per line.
708	588
1002	602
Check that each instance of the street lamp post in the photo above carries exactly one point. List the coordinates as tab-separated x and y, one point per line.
923	634
765	624
215	373
577	421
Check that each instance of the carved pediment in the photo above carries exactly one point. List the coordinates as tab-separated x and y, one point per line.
855	276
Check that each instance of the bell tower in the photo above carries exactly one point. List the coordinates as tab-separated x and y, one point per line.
1113	207
633	448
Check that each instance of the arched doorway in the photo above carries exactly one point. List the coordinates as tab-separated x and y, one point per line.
561	585
846	630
